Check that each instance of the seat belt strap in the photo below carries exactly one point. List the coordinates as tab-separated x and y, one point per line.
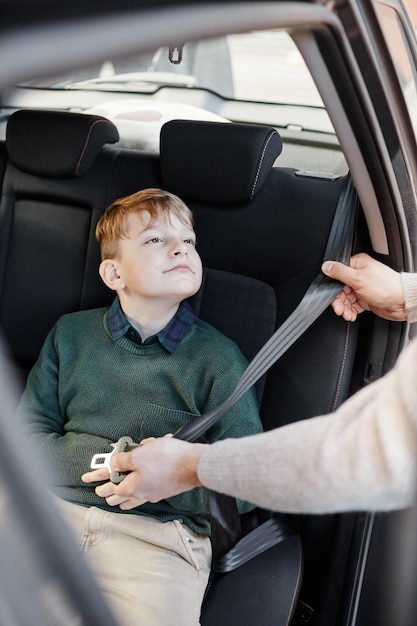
268	534
316	299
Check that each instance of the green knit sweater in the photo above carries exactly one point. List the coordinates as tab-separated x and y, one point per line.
88	390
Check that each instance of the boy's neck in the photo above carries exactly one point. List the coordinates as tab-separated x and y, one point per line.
148	320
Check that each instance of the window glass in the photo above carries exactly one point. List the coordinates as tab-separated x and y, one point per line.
259	66
401	55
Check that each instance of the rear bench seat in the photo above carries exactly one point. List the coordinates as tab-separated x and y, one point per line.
60	173
274	228
59	177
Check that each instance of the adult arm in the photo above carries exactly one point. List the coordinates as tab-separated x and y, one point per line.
362	457
409	282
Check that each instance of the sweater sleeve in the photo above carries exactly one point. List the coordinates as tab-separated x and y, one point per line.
409	282
362	457
44	421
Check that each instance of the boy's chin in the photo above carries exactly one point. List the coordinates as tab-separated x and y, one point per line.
188	294
187	290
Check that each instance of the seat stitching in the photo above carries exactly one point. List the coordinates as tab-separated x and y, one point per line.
342	368
86	143
297	584
348	326
272	133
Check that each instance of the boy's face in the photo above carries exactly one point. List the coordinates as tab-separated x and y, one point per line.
159	260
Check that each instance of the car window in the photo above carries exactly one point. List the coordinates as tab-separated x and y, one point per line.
254	67
401	55
228	66
258	77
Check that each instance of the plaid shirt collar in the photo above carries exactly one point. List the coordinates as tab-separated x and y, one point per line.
169	337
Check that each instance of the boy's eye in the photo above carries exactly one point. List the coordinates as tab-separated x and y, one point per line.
154	240
190	241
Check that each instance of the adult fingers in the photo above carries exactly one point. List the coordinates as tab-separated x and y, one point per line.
105	490
132	503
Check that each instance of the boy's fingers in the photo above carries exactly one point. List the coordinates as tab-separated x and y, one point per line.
96	475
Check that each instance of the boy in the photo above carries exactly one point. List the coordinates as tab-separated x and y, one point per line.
143	368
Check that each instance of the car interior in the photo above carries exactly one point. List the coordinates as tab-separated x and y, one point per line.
61	169
263	180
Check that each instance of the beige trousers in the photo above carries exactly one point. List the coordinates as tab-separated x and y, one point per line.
150	573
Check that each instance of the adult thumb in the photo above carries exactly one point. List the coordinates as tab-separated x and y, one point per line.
339	271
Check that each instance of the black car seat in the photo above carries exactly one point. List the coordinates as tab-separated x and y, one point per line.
229	170
59	177
258	219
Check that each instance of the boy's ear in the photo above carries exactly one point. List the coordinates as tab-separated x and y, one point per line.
110	276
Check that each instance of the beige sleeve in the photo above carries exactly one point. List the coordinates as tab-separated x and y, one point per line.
362	457
409	282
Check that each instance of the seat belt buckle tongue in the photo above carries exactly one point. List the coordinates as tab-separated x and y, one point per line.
125	444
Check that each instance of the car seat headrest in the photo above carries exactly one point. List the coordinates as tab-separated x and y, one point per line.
216	162
57	144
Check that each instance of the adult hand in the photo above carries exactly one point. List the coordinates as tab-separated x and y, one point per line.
106	490
369	286
159	469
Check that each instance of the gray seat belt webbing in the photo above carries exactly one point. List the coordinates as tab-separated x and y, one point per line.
265	536
316	299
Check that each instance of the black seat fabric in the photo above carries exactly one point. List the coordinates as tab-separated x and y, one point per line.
48	254
198	168
242	308
262	592
271	235
68	148
48	214
223	170
256	232
49	209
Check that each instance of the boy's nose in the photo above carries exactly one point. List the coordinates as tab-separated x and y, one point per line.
179	248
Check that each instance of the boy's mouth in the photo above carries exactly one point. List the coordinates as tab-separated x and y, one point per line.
182	267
